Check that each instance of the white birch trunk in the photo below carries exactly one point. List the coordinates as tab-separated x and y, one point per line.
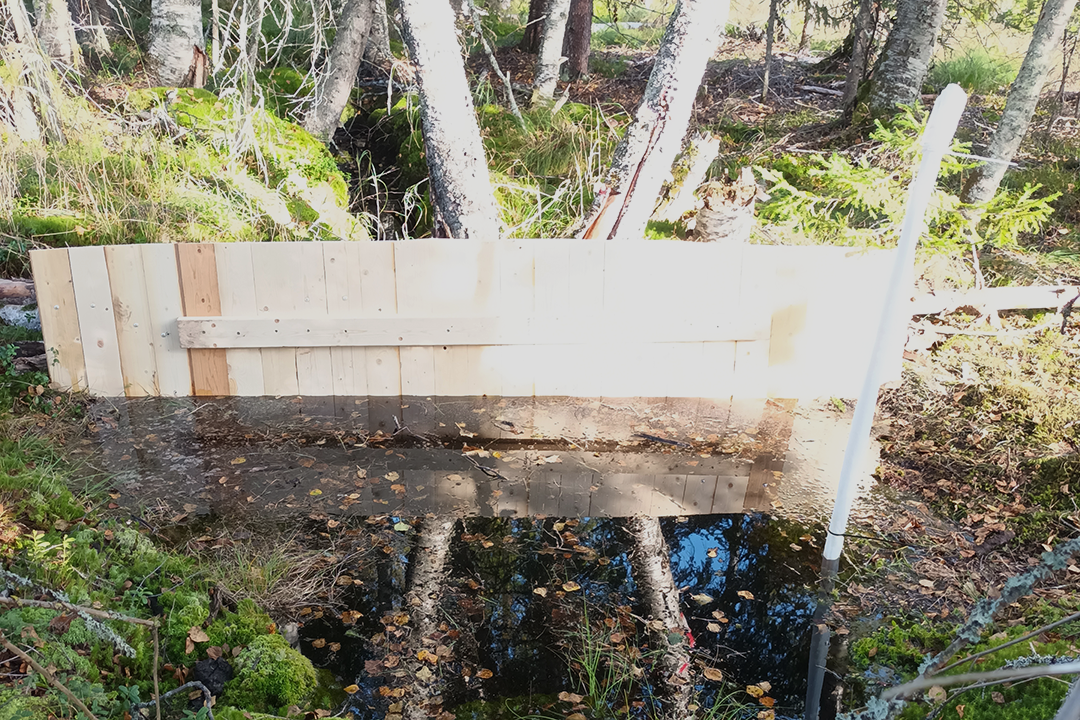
1020	105
175	32
459	181
644	156
56	32
335	82
905	60
550	59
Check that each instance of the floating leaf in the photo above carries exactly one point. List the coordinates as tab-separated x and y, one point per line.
402	526
484	674
713	674
392	476
746	594
305	462
575	716
712	552
713	627
315	493
765	685
570	697
318	643
754	691
542	592
350	689
702	598
238	461
767	715
334	647
767	701
570	586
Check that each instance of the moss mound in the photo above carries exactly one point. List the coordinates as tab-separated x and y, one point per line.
270	675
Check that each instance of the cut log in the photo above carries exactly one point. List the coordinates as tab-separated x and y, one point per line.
22	290
689	173
727	211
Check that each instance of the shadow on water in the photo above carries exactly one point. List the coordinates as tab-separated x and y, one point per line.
538	607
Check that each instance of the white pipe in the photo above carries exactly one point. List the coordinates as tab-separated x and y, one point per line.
936	141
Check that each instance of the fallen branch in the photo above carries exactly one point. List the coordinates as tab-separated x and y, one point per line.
57	605
16	290
1029	297
193	684
47	675
1033	633
1035	671
820	90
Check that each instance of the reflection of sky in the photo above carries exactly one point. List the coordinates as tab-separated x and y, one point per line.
517	632
766	638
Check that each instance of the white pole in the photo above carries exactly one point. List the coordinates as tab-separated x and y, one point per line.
936	140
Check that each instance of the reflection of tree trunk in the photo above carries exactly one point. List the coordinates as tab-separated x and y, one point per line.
819	642
425	588
650	563
576	44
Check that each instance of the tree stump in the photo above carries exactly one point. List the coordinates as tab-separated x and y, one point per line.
727	211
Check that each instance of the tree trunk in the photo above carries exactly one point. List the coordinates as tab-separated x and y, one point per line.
650	564
577	45
460	186
807	26
336	80
17	290
689	172
860	49
251	19
534	30
983	182
175	33
770	34
550	60
56	32
905	60
377	50
91	21
644	156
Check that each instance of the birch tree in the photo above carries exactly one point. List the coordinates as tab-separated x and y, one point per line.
56	32
643	158
176	32
1020	105
905	59
860	47
550	59
458	174
336	79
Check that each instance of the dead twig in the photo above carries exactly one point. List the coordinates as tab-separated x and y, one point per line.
1033	633
157	699
47	675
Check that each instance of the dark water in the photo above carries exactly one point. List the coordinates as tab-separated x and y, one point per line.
539	573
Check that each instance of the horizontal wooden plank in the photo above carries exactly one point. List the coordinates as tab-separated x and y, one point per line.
271	332
1023	297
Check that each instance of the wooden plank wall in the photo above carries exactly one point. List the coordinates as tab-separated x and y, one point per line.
588	318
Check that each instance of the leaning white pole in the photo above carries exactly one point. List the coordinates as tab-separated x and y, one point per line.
936	140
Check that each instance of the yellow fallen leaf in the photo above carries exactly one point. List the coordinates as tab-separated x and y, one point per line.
570	586
754	691
350	689
713	674
316	492
238	460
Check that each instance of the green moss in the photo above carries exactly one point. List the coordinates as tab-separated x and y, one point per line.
900	646
30	487
17	705
284	90
185	611
270	675
240	628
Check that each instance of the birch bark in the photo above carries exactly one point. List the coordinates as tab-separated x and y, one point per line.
335	82
459	181
1020	105
905	60
550	60
175	32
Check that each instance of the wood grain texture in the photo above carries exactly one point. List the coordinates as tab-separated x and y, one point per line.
131	311
236	291
197	268
165	305
59	318
97	326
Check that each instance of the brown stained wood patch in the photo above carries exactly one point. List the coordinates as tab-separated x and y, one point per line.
199	292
